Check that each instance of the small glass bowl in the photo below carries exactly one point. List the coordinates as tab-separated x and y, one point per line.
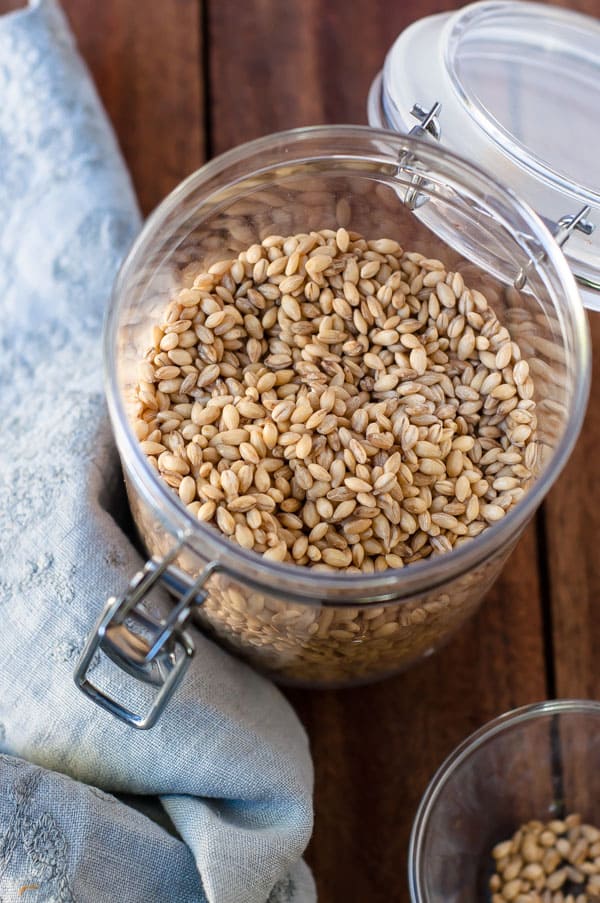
540	761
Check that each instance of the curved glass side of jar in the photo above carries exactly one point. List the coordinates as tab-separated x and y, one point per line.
321	643
319	627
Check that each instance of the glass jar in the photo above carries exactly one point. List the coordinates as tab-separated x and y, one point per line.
296	624
539	762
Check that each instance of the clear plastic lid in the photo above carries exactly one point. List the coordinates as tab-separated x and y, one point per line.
519	89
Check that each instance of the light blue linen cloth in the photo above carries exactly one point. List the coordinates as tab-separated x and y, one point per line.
229	758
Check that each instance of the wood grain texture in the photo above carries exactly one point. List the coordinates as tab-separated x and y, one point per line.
572	531
276	65
8	6
146	61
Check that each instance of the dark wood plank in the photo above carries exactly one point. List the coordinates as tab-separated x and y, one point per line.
375	748
572	529
146	61
297	63
8	6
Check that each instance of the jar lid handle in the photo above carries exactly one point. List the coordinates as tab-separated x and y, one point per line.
429	126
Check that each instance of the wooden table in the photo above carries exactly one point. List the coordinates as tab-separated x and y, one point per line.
183	80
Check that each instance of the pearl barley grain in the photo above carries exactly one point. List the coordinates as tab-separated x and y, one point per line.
331	401
537	864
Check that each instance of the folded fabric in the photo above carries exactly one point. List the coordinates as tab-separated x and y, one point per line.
228	758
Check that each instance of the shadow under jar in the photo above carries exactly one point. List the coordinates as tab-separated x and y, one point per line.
300	625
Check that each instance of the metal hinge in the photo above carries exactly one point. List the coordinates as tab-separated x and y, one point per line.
428	126
429	122
562	232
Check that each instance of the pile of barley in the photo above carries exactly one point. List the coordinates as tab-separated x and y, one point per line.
337	403
557	862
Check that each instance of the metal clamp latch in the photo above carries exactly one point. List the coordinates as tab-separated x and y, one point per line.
153	650
428	126
562	232
429	123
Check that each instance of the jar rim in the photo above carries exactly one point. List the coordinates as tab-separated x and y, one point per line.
305	584
489	730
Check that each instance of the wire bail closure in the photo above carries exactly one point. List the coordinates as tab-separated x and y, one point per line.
153	650
428	126
562	232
